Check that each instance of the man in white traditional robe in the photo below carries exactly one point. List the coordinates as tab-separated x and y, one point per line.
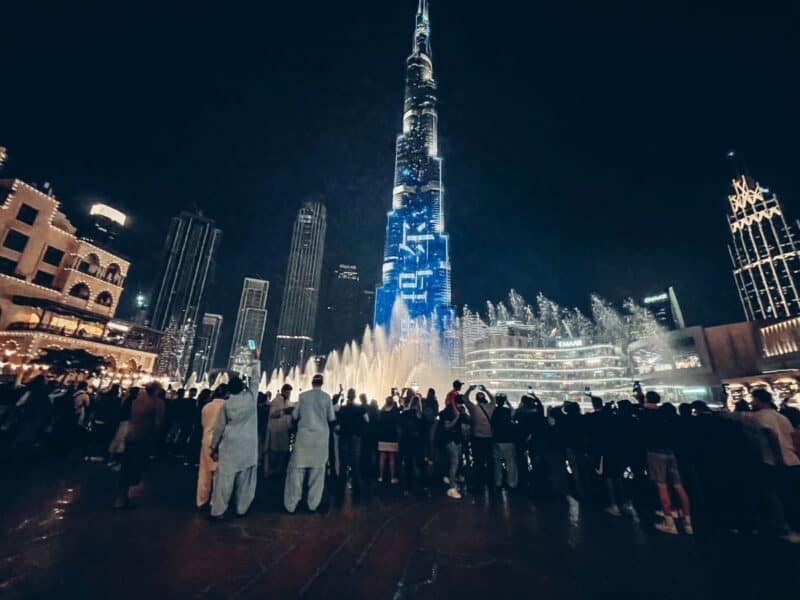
236	442
313	414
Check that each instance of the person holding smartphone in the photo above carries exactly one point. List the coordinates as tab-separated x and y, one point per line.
480	413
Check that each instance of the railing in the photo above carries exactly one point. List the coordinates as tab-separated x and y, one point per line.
80	334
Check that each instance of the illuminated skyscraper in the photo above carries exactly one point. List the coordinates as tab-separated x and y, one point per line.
295	340
765	256
191	248
416	263
250	320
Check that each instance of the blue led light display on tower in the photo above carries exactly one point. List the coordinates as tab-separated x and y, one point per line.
416	263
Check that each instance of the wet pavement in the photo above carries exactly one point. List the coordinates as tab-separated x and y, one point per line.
58	537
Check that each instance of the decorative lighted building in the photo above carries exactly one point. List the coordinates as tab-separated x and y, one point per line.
766	260
251	319
295	341
59	290
416	264
205	343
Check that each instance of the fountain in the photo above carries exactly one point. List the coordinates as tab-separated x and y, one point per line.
410	354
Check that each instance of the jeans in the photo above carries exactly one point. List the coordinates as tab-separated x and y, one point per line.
482	459
505	453
453	451
350	457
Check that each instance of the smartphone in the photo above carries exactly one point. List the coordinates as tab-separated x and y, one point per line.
480	387
394	392
251	344
530	389
587	391
637	385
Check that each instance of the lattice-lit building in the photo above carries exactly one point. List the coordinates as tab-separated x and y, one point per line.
765	253
416	263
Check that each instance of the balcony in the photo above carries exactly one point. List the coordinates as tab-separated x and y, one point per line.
127	340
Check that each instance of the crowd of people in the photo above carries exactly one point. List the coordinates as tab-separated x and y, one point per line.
731	469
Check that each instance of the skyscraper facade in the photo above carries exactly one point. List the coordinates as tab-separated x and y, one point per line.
764	252
665	308
191	248
205	343
416	263
295	340
251	319
347	309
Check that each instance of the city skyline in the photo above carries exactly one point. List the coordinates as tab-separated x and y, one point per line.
569	135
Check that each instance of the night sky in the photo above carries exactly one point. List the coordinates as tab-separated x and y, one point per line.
583	148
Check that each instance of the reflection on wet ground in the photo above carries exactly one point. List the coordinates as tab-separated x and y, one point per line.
58	536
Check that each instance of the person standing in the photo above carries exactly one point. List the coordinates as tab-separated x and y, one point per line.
412	443
453	420
209	415
430	411
279	424
313	415
235	447
781	464
659	430
388	439
481	441
144	427
503	448
352	421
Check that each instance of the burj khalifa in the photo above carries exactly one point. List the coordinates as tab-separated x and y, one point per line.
416	263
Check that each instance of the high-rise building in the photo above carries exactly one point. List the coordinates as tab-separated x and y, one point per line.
764	252
295	340
191	248
205	343
665	308
347	309
251	319
416	263
190	251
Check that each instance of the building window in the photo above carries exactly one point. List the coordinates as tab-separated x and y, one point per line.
53	256
27	214
8	266
15	240
42	278
80	290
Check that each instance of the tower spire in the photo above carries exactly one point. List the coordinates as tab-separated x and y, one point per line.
422	31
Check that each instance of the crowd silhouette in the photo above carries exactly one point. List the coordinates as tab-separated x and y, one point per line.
685	467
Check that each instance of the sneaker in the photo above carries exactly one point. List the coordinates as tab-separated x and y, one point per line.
446	480
614	511
454	493
687	526
667	526
380	479
395	481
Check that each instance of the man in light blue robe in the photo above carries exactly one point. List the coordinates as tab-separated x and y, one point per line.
313	414
235	439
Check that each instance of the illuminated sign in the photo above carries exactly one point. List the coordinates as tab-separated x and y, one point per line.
657	298
569	344
112	214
